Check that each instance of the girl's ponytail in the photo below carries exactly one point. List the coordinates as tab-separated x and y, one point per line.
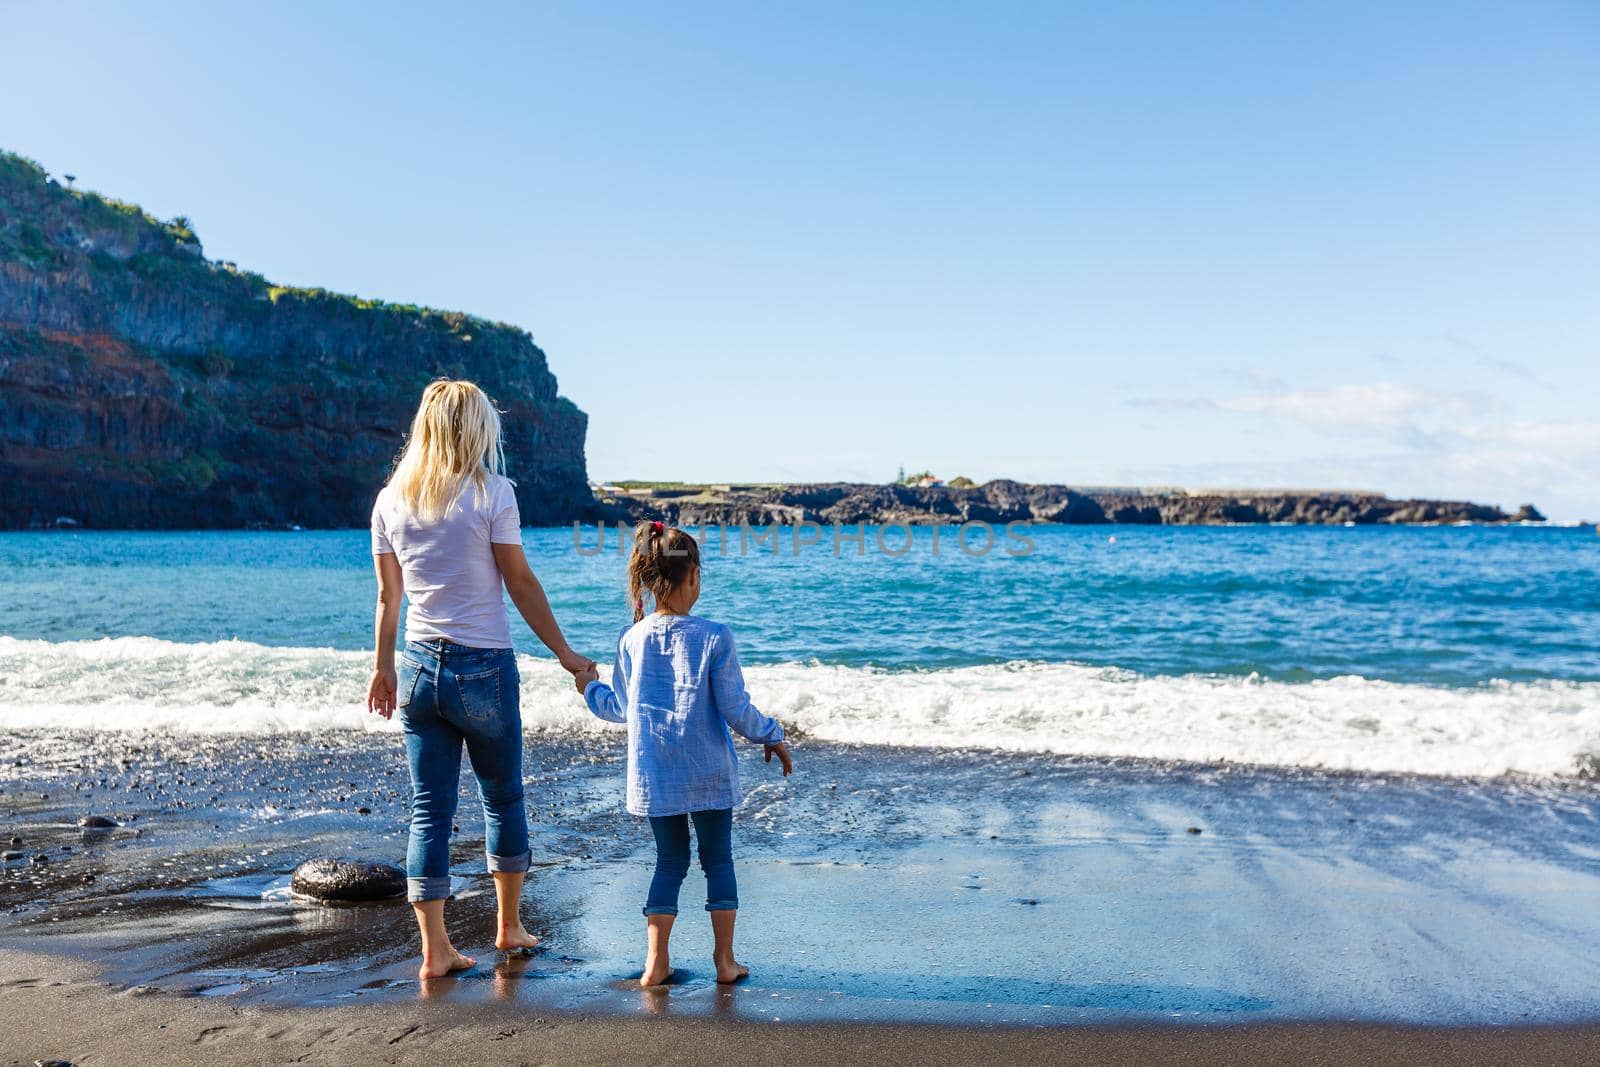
663	558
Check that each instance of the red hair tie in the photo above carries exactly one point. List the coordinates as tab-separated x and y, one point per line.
658	527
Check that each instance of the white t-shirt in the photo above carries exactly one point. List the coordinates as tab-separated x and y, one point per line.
452	581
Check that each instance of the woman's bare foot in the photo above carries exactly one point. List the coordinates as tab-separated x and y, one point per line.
513	938
731	970
656	972
438	968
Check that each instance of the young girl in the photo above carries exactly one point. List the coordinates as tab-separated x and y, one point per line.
677	684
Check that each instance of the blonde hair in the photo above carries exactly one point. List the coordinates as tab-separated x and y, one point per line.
455	436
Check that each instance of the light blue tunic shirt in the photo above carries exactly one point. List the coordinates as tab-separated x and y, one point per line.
677	684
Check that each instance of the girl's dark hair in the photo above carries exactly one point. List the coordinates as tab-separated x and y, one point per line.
663	558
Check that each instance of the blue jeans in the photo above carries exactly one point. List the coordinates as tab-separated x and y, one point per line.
714	831
449	694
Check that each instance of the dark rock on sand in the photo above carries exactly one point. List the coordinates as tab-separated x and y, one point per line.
16	842
98	822
39	859
12	854
1194	830
347	880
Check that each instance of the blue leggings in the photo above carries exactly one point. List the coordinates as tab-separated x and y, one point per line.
714	831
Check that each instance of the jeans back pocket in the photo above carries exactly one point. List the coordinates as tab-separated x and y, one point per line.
480	693
406	682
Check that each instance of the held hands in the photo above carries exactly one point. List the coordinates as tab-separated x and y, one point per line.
582	678
381	691
583	669
780	750
573	663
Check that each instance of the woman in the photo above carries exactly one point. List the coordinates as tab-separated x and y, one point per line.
446	534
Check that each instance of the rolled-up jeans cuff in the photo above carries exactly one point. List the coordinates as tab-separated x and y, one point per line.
510	864
660	909
420	889
722	905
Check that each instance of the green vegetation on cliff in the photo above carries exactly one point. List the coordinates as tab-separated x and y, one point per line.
142	385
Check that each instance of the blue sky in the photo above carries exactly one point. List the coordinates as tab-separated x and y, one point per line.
1344	244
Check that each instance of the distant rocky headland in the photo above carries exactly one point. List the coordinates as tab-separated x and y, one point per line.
1003	501
145	386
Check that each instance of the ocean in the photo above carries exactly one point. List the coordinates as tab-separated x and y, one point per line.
1454	651
1213	775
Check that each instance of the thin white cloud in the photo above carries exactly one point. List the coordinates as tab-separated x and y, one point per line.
1440	443
1166	403
1385	408
1265	380
1500	364
1572	438
1548	465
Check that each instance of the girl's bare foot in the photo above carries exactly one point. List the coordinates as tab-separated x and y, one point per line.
513	938
731	970
438	968
656	971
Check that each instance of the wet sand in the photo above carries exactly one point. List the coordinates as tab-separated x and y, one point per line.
56	1009
1020	906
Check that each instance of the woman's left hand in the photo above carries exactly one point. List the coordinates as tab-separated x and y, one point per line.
381	691
574	663
582	679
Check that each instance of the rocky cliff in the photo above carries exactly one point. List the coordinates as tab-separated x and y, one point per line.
1002	501
144	386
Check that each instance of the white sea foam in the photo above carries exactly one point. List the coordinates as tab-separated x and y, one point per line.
1547	728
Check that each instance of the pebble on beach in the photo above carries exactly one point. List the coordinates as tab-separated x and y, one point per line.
98	822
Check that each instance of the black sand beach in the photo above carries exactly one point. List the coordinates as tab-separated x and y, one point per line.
1056	906
52	1008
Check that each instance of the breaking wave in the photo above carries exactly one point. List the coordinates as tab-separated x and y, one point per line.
1540	728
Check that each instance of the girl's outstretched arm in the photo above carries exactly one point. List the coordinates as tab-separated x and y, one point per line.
732	699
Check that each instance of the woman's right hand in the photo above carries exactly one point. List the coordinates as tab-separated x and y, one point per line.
381	691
